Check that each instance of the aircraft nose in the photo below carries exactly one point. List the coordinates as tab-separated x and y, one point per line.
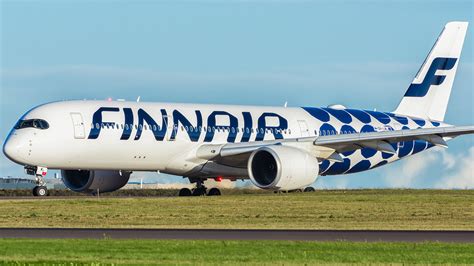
11	149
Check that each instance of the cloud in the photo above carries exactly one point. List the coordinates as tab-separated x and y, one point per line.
456	170
405	174
333	182
462	176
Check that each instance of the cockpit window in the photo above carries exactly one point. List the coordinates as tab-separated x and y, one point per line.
35	123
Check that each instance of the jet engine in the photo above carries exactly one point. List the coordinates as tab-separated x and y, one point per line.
282	168
92	180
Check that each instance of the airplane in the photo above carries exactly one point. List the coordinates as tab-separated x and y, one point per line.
98	144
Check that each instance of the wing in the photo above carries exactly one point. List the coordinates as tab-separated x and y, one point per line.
330	147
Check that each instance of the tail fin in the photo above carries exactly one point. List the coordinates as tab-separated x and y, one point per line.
428	95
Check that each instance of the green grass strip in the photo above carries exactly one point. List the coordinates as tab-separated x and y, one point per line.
109	251
340	210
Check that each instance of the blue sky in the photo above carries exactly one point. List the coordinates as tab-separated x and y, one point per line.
362	54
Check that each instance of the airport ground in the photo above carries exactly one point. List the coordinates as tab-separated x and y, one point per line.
326	210
332	210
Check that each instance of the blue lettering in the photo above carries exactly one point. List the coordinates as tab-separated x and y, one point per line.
248	124
158	132
211	124
194	132
97	121
275	130
127	130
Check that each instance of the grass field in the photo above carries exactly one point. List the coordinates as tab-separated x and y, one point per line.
362	209
107	251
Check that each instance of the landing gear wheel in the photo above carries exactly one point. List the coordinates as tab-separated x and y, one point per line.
214	192
40	191
199	191
309	189
185	192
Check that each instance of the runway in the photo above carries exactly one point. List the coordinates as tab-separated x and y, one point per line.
220	234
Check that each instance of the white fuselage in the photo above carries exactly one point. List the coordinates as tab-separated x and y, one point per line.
140	136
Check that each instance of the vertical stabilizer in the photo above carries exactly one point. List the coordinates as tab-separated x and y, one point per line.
428	95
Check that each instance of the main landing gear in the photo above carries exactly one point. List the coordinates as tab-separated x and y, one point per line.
40	190
199	190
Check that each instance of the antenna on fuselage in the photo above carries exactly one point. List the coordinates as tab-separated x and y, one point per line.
138	99
286	104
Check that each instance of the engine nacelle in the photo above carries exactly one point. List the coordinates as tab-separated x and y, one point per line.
282	168
92	180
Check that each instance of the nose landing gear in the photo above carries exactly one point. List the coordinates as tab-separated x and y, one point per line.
40	190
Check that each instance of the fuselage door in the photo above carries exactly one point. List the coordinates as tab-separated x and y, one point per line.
78	124
303	128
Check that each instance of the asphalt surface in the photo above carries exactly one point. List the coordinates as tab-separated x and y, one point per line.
218	234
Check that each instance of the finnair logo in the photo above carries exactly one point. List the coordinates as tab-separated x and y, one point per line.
161	122
439	63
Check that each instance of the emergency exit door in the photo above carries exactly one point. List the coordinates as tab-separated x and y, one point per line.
78	124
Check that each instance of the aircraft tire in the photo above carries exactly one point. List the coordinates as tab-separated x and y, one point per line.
185	192
40	191
214	192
